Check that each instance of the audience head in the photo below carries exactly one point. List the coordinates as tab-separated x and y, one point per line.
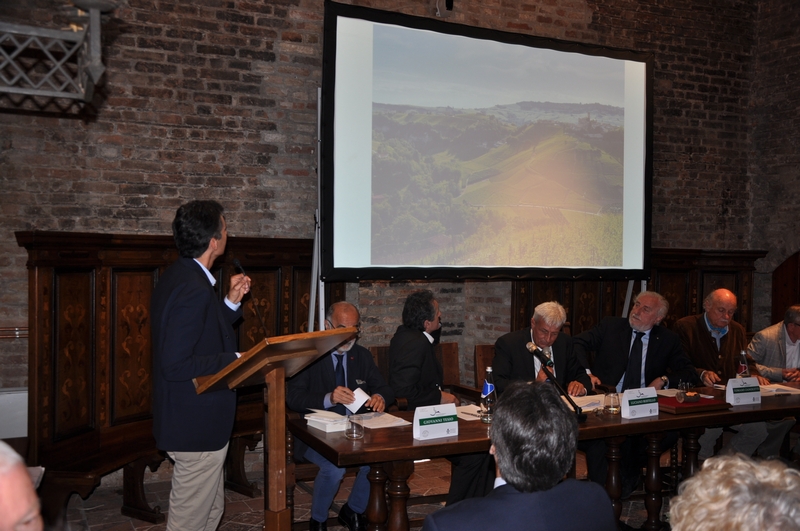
736	493
343	315
534	436
791	320
195	224
421	312
19	505
720	305
546	323
649	309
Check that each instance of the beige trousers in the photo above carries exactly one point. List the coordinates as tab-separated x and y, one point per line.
197	498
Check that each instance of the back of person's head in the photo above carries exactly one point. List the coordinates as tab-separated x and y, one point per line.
194	225
535	436
736	493
418	309
792	315
19	505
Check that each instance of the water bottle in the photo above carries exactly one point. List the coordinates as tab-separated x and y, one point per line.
488	397
742	371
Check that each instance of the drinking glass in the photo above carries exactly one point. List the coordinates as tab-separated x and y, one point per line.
611	404
354	429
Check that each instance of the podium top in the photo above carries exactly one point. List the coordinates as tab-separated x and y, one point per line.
293	353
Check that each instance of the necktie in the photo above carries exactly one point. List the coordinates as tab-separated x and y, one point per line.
633	374
340	381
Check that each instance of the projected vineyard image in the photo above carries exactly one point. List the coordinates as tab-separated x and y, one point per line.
479	181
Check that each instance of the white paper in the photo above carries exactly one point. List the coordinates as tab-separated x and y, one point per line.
361	397
469	412
586	403
669	393
324	414
778	389
638	403
743	391
381	420
432	422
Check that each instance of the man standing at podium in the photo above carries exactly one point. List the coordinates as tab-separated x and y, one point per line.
328	383
192	335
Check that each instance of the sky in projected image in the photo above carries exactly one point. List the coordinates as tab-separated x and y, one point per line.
430	69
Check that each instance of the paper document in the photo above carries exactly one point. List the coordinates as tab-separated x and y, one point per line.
586	403
778	389
324	414
361	397
669	393
382	420
470	412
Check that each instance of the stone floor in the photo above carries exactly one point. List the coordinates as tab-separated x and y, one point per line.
101	511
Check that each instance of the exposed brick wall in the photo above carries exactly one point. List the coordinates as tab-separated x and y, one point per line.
775	162
216	98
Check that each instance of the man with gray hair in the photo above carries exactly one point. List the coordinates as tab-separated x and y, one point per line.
631	353
514	361
19	505
776	349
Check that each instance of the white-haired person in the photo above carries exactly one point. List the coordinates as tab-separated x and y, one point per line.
736	493
19	505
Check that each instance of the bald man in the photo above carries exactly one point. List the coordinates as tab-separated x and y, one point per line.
713	341
19	505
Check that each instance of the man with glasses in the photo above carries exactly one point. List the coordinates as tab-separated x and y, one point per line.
514	361
328	383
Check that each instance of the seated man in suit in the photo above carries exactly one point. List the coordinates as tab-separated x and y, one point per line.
328	383
19	505
416	374
630	354
534	435
714	341
513	360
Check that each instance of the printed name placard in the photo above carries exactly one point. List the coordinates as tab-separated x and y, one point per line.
433	422
742	391
638	403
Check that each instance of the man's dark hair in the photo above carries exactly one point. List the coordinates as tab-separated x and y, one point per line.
534	435
194	225
418	309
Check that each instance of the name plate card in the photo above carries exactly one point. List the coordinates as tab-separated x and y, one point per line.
433	422
742	392
638	403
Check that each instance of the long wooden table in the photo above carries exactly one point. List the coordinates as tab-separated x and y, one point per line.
391	452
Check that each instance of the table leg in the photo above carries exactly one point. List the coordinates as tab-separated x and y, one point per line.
613	476
691	447
652	483
398	491
376	506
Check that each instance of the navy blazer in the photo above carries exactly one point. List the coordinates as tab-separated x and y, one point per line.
192	335
414	372
307	389
512	361
611	342
569	506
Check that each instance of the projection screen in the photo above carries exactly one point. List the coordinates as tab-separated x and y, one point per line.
453	152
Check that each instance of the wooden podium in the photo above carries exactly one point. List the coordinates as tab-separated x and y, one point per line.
272	361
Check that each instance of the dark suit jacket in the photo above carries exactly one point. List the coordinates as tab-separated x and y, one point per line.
569	506
414	372
701	347
512	361
611	342
307	389
192	336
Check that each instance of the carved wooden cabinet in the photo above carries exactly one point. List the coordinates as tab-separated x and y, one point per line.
683	276
90	353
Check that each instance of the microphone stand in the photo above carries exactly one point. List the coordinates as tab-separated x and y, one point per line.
578	411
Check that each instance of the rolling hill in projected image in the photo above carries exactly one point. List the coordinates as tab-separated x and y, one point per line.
529	184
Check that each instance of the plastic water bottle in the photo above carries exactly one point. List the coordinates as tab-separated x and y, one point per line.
742	371
488	397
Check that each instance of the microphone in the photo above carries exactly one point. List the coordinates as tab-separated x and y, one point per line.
238	265
536	351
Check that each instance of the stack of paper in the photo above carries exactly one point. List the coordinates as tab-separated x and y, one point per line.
327	421
382	420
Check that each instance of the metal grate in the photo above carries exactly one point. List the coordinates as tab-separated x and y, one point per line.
53	63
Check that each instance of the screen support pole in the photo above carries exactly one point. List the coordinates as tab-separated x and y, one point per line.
317	285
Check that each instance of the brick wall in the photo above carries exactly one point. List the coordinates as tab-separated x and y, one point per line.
775	162
216	98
